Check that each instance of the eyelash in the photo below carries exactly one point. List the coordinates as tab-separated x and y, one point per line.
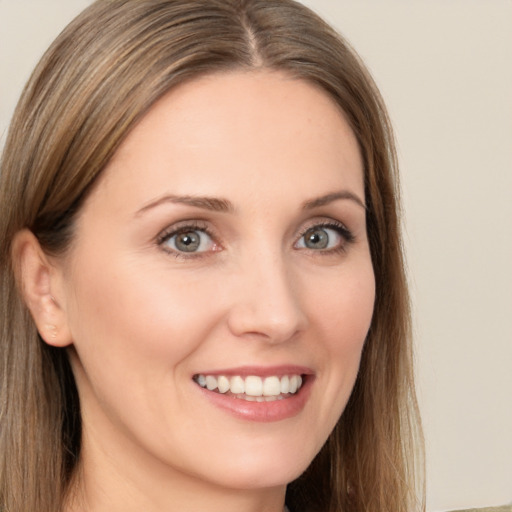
168	233
346	235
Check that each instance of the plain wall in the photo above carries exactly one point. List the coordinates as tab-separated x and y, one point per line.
445	70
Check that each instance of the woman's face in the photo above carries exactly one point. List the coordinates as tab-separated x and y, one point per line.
224	246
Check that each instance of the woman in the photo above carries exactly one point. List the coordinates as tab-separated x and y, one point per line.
204	302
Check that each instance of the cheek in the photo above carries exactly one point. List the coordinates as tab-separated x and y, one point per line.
340	312
344	315
344	310
126	314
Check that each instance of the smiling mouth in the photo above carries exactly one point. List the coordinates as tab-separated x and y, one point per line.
252	388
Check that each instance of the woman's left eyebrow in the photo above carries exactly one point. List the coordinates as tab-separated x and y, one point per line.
206	203
333	196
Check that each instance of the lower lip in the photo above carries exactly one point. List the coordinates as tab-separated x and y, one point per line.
276	410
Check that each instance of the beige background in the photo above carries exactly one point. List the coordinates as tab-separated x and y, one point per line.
445	69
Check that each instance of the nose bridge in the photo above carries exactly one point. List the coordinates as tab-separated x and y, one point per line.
267	301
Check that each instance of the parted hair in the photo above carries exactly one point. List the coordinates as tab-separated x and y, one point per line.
92	86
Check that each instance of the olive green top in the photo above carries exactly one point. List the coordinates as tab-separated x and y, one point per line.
506	508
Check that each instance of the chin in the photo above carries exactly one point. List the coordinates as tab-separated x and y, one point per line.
261	470
272	477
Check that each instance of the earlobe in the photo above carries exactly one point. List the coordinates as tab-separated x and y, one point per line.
39	281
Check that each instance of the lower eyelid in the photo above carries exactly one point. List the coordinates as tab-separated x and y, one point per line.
167	234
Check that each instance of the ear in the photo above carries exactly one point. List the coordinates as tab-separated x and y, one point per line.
41	286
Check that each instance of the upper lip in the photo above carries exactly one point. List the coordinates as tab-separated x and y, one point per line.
261	371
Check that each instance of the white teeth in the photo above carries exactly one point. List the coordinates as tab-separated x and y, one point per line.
271	386
223	384
253	387
211	382
285	384
237	385
294	383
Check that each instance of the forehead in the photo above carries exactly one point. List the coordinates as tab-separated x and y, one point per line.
220	132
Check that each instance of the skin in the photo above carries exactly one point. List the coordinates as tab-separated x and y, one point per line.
140	319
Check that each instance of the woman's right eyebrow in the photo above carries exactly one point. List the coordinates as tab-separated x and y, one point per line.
214	204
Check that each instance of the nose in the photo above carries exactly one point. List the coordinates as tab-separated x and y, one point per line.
267	303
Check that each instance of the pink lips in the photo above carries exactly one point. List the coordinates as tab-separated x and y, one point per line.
266	411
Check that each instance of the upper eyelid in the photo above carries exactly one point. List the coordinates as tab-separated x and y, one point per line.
325	222
205	226
180	227
177	227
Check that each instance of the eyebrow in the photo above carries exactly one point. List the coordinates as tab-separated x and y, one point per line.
216	204
213	204
329	198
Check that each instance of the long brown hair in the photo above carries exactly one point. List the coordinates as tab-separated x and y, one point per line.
95	82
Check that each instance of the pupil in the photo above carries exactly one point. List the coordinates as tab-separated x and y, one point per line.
317	239
187	242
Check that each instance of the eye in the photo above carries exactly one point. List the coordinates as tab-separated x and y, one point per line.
187	239
325	237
